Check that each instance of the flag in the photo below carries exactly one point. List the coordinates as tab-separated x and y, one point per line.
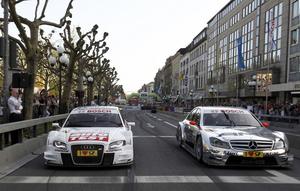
204	58
241	59
271	30
220	52
159	90
186	79
181	77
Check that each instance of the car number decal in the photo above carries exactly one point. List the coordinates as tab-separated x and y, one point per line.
253	154
89	153
88	137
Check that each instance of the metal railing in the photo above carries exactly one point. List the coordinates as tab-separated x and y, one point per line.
29	125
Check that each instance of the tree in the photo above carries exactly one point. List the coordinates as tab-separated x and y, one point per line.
76	51
29	44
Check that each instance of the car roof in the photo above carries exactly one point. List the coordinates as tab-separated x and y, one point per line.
95	108
220	107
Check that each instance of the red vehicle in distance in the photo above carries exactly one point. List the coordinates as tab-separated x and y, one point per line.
133	101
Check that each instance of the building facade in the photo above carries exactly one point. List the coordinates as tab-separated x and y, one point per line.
209	68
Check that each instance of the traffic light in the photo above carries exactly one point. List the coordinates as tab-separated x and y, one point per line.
13	54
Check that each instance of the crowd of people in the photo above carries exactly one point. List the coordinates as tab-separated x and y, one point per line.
279	109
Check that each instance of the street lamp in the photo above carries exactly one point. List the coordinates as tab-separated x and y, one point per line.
63	61
191	94
89	81
252	84
212	91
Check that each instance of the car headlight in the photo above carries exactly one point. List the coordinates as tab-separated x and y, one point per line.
218	143
116	144
279	144
60	145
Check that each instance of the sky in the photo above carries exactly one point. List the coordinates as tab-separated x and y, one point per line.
142	33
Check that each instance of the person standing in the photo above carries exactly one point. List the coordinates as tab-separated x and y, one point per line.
15	108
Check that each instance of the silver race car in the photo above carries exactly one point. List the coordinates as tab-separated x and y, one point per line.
91	136
227	136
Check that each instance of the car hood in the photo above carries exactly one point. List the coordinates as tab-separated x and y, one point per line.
105	135
241	133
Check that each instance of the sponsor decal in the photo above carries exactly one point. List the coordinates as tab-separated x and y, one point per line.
62	151
116	149
231	153
253	162
271	153
98	111
232	111
88	137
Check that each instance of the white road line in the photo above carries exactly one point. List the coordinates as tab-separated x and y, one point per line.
278	178
149	125
154	136
159	119
173	179
170	124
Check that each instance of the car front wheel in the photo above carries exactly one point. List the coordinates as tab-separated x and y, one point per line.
199	149
179	136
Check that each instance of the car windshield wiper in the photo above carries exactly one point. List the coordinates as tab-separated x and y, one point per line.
228	118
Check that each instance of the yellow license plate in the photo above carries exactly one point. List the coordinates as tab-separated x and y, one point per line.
87	153
256	154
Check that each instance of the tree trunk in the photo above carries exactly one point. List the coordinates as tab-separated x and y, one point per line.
68	86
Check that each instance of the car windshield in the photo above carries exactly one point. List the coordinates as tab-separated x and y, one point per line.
94	120
230	119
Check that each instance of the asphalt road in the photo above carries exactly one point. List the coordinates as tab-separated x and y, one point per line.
160	164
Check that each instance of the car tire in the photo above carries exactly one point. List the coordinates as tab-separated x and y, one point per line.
179	136
199	149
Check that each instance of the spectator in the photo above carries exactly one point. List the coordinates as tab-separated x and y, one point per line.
250	107
15	108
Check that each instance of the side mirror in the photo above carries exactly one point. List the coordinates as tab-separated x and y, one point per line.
266	124
55	125
192	122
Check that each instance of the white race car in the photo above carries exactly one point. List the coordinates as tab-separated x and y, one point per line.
227	136
91	136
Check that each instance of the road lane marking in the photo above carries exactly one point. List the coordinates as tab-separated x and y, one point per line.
170	124
159	119
149	125
154	136
276	178
173	179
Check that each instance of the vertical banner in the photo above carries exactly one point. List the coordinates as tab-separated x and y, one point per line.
186	78
204	58
271	30
220	52
240	56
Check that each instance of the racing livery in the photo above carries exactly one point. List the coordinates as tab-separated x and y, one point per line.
227	136
91	136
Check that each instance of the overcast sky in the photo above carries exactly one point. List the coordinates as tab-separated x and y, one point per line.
142	33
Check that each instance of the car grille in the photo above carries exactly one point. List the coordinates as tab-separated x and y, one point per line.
251	145
91	160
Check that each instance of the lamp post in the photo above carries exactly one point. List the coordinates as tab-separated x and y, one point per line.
212	91
192	95
63	61
118	96
89	81
252	84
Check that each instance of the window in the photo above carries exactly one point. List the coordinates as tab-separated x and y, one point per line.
295	37
294	64
295	9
